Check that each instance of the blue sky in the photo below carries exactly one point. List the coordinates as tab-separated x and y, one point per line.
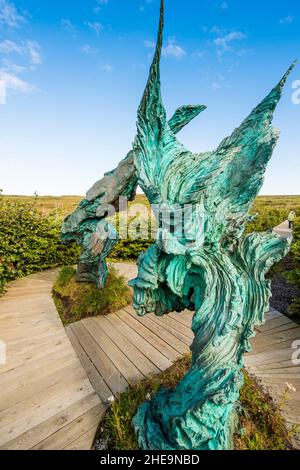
74	73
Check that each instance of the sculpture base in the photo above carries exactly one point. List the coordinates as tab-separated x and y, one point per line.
210	426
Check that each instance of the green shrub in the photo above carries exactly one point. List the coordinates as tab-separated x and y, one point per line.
75	301
267	218
30	241
129	249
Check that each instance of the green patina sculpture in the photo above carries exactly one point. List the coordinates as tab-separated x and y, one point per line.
87	225
209	267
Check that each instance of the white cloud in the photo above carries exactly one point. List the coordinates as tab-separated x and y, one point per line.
223	42
149	44
34	51
95	26
8	47
287	20
224	5
200	54
107	68
9	66
87	49
67	25
9	15
29	51
172	49
30	48
98	6
14	83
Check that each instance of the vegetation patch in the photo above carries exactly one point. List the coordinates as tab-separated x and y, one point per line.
75	301
262	426
30	241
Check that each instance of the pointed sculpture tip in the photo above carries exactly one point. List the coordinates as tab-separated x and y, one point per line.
287	74
160	31
162	14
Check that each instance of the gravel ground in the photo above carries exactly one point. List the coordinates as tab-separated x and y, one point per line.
283	294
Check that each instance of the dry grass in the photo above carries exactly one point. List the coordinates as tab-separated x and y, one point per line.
66	204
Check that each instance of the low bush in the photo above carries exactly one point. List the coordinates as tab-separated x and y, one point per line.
75	301
127	250
266	219
30	241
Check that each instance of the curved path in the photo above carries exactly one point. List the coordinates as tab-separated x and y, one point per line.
46	399
52	399
283	230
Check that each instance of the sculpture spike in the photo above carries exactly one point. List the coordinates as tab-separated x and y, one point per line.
153	85
184	115
287	74
270	103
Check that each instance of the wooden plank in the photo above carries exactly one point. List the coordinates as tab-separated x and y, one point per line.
122	363
37	383
269	325
169	352
17	420
275	365
44	388
175	331
106	368
39	433
181	347
32	367
68	434
285	335
70	374
176	325
185	318
279	329
144	346
100	387
283	340
267	357
272	313
18	348
84	441
141	362
33	356
291	373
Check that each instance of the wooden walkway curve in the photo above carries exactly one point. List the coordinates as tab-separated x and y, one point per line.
52	399
46	398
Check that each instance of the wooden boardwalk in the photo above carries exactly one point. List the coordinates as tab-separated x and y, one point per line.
283	230
51	398
46	398
122	348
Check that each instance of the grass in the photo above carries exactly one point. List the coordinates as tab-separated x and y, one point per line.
278	202
46	204
75	301
67	204
262	424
